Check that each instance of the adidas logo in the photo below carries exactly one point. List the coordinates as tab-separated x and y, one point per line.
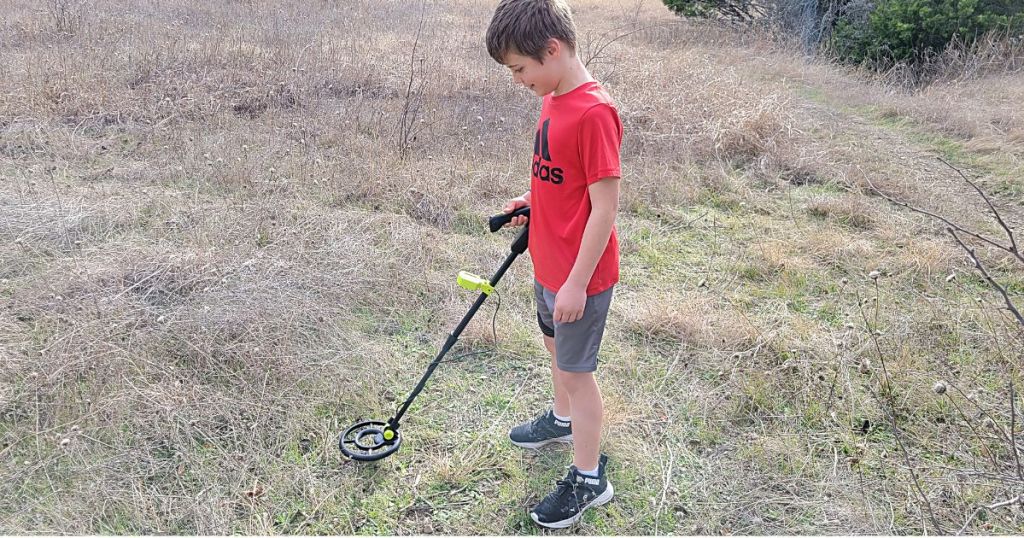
542	153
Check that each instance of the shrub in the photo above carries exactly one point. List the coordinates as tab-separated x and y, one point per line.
908	31
882	34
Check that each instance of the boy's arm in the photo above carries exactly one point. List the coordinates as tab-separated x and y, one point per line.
604	203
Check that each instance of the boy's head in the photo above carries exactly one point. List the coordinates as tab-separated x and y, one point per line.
535	39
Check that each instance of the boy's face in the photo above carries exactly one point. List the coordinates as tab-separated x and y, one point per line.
540	78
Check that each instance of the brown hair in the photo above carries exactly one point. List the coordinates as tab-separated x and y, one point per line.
525	26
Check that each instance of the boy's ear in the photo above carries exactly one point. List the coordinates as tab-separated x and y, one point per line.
552	47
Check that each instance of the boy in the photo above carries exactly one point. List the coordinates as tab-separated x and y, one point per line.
574	192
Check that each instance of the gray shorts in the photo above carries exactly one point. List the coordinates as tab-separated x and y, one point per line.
576	343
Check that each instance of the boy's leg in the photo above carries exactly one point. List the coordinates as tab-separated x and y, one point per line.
562	407
577	345
587	415
546	428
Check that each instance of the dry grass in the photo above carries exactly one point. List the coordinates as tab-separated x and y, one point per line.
217	250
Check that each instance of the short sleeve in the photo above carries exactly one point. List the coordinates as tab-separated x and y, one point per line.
600	136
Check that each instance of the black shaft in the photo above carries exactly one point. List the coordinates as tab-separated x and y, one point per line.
454	336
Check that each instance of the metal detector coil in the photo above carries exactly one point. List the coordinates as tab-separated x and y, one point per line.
369	441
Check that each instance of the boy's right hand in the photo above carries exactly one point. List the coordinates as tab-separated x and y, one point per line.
513	205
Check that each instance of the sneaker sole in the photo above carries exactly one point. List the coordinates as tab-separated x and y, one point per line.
603	498
564	439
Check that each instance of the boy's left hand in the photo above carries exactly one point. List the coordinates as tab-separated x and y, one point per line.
570	301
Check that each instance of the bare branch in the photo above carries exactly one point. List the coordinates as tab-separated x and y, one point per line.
890	411
410	109
1002	291
999	218
933	215
990	507
597	54
1013	430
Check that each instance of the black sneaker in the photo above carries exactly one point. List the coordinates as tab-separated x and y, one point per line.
543	430
573	495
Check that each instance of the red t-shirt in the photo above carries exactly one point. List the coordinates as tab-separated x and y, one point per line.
577	143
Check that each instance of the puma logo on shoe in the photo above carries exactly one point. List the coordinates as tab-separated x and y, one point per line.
561	424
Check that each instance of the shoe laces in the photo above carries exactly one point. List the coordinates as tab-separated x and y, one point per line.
567	486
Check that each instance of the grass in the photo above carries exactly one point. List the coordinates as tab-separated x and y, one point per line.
216	255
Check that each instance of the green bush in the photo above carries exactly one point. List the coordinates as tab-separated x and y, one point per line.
910	30
735	10
882	32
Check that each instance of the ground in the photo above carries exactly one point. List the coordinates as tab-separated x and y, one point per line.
229	230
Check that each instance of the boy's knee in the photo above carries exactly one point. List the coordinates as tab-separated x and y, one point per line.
576	381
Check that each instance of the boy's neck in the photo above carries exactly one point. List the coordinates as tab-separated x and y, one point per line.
576	74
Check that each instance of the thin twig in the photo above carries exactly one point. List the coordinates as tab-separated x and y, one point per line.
1009	233
1013	430
948	222
597	54
1002	291
664	490
891	412
409	108
990	507
970	426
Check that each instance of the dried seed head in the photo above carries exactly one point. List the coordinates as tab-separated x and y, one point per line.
939	388
873	275
865	366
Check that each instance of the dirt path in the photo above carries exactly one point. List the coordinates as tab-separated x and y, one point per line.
903	160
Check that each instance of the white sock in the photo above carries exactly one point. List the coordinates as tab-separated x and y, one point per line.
558	418
592	474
